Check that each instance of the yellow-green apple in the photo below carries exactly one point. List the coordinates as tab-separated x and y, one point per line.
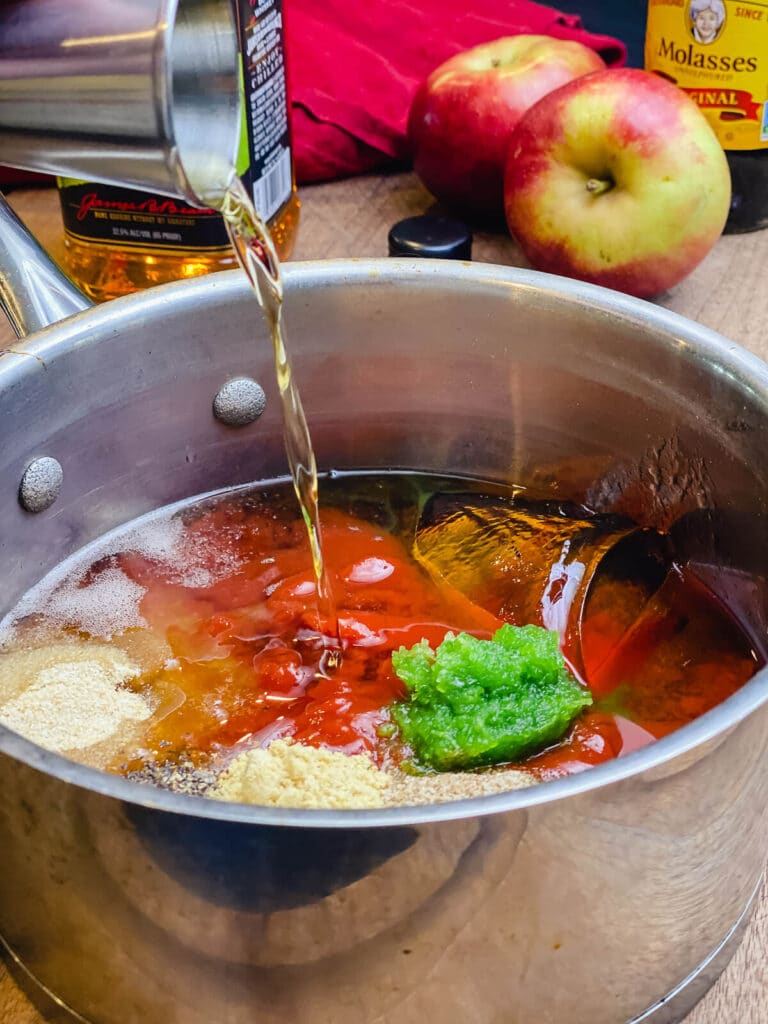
617	179
462	114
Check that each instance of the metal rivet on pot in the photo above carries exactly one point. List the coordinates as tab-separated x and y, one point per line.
240	401
41	484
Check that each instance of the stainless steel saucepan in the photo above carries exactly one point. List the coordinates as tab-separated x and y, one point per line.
613	896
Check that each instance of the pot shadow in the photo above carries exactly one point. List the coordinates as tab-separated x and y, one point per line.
263	869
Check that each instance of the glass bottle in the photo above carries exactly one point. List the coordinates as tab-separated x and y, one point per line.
717	51
120	240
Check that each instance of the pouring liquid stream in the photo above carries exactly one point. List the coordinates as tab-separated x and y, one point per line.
257	256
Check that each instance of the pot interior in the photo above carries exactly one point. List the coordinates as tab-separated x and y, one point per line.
571	392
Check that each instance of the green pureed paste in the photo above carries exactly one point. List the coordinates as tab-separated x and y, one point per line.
483	702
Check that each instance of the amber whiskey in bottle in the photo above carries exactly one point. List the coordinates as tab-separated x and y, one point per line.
717	51
120	240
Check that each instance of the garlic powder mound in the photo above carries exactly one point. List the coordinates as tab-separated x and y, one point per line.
288	774
68	696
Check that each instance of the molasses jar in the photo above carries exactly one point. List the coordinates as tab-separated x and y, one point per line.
717	52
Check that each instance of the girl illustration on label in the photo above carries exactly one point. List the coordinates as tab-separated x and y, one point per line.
707	19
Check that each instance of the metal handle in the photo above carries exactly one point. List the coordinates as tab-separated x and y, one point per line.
33	291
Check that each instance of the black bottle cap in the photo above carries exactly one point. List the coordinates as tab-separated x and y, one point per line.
431	237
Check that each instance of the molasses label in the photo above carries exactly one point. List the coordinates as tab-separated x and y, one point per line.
717	52
132	219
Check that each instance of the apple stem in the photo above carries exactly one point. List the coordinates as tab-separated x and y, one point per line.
596	186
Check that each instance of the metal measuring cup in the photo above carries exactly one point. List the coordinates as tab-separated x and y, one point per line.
142	94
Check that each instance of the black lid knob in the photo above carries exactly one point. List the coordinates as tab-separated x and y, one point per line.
431	237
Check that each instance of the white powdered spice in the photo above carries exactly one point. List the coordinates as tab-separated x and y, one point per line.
68	696
108	605
159	539
414	790
188	559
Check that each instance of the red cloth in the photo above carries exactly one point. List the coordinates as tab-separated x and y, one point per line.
10	176
354	68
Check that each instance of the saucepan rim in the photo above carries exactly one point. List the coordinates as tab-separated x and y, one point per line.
720	354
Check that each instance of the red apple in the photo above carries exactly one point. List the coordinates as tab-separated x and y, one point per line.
463	113
618	179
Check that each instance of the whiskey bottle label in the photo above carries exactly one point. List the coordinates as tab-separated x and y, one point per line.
265	156
127	218
717	51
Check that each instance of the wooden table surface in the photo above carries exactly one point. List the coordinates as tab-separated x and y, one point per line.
351	218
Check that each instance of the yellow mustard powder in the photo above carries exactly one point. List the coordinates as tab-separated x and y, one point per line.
288	774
